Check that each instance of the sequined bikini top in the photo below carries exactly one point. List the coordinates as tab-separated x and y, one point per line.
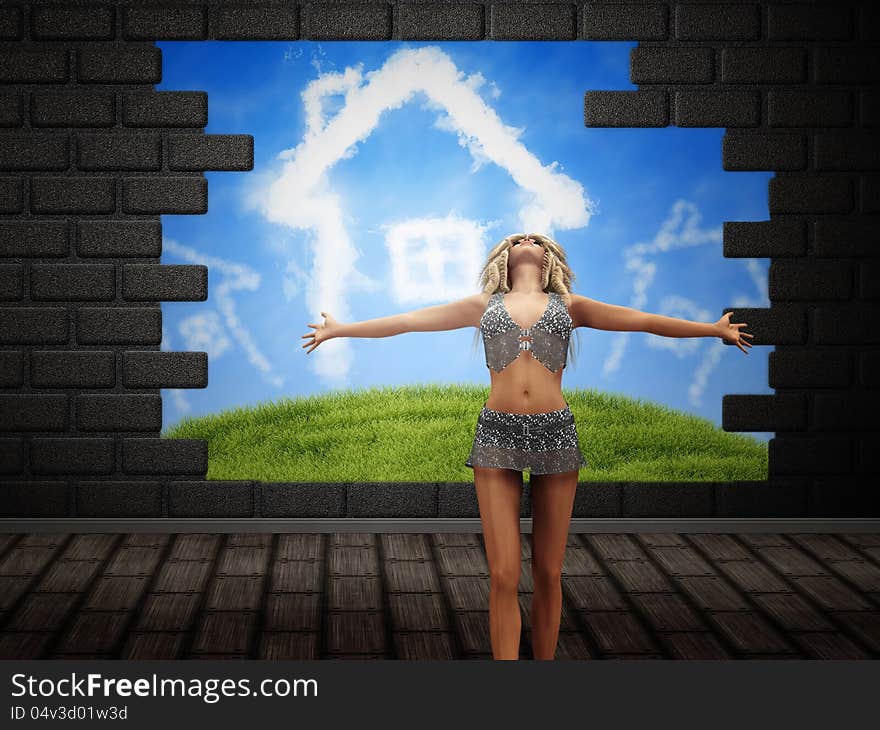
549	335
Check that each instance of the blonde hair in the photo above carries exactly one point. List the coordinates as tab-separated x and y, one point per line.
556	275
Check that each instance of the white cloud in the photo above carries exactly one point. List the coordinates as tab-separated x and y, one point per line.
681	229
299	194
214	331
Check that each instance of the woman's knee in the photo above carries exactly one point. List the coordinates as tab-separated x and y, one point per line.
504	578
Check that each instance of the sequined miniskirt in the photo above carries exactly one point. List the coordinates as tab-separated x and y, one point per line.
543	443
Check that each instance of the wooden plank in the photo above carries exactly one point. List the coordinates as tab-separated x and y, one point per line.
473	632
462	561
27	560
694	645
277	645
579	561
572	646
134	561
456	539
613	546
297	576
146	539
183	576
592	593
293	612
668	612
829	645
720	547
301	546
348	560
425	645
618	632
243	561
93	632
417	612
197	546
23	645
116	593
467	593
153	645
792	561
42	612
352	539
750	575
712	594
11	588
355	632
405	546
95	546
168	612
681	561
792	612
831	593
863	574
750	632
411	575
249	539
864	623
354	593
639	575
567	620
234	593
662	539
224	632
826	547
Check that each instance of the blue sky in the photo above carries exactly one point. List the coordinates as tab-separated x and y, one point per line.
384	173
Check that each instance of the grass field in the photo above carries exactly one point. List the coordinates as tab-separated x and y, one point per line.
424	433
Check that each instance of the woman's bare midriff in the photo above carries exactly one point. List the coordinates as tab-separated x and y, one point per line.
526	386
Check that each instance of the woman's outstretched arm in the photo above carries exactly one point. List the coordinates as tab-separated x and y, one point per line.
587	312
461	313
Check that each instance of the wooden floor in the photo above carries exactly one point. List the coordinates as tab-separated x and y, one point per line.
425	596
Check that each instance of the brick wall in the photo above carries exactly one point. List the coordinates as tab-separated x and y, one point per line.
91	156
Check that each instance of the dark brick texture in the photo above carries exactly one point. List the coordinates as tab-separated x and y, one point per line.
91	156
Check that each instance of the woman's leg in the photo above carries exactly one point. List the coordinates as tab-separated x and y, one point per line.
499	493
552	503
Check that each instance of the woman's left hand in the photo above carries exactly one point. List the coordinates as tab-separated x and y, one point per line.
731	332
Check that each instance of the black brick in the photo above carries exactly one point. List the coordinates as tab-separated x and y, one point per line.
33	499
802	194
165	456
72	282
10	23
391	499
869	458
805	455
119	412
525	21
34	151
870	22
754	151
11	114
303	499
108	151
835	65
119	326
11	195
869	280
625	22
870	109
457	500
671	65
165	369
34	238
210	499
11	451
71	369
277	23
180	195
33	67
211	152
11	282
721	21
806	280
118	499
717	109
845	237
73	194
72	109
802	368
853	151
598	499
870	369
626	109
854	411
776	498
167	22
782	324
165	109
805	22
72	455
165	282
11	369
837	497
93	22
846	324
668	499
786	412
762	239
33	412
33	325
346	21
119	238
809	108
763	65
120	66
869	194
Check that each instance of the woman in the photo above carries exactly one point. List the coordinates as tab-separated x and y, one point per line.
526	423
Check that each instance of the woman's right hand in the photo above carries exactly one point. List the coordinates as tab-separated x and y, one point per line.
322	332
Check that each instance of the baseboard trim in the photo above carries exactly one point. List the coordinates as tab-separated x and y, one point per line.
443	524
